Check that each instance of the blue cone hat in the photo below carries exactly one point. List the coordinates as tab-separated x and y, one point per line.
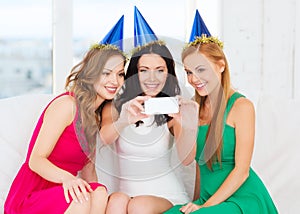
198	28
143	33
115	35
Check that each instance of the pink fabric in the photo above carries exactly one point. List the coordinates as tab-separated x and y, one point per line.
30	193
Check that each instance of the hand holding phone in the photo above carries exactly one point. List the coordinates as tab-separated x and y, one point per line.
161	105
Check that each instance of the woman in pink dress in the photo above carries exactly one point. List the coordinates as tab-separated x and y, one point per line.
59	175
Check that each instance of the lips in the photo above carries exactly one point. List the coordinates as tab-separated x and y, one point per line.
200	86
111	89
151	86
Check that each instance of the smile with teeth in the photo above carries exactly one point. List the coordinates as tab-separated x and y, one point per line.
151	85
201	85
111	89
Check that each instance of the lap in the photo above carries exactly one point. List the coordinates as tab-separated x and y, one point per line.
225	207
149	204
51	200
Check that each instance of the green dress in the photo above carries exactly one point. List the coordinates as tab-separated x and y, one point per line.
251	197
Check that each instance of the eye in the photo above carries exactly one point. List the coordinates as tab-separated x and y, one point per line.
122	74
188	73
143	70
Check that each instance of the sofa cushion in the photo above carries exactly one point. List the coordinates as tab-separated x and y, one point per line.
18	118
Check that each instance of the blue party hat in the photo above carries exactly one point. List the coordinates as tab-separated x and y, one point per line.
115	35
198	28
143	33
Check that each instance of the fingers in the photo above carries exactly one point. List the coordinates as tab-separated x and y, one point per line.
189	108
88	186
81	192
183	101
77	189
190	207
142	99
137	102
179	98
73	194
133	110
134	107
66	193
185	208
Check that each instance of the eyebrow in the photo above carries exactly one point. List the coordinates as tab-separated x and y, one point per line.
143	66
110	70
199	66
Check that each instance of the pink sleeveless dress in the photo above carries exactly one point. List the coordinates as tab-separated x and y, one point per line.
30	193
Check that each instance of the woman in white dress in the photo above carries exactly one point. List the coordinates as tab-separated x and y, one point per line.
144	143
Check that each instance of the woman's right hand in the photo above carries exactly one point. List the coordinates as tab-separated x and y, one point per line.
131	111
77	188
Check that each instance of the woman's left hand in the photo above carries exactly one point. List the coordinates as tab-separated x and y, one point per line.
190	207
188	113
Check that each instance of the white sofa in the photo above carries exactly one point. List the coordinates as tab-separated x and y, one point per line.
275	158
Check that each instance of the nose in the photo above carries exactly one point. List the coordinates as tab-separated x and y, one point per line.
114	78
152	75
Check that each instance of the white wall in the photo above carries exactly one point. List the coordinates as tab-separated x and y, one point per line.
262	44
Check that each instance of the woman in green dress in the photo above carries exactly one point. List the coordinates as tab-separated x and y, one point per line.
227	183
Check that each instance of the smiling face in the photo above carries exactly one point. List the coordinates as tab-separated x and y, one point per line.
111	78
152	73
202	74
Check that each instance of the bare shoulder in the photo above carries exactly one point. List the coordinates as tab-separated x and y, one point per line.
63	102
63	107
243	105
242	110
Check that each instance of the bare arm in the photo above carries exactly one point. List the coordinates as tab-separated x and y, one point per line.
244	122
110	129
58	116
112	124
185	127
197	183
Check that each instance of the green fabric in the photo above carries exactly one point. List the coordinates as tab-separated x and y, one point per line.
251	198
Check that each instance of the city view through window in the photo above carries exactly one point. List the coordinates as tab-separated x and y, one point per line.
26	49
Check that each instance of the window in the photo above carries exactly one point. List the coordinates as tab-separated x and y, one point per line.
25	47
39	45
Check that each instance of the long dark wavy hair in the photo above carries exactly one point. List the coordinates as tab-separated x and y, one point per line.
132	88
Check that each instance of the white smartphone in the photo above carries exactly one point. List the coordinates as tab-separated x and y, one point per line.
161	105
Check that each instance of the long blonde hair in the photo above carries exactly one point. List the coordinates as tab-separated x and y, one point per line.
81	83
214	138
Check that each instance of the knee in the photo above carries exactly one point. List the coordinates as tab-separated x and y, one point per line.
118	198
117	203
138	205
100	194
